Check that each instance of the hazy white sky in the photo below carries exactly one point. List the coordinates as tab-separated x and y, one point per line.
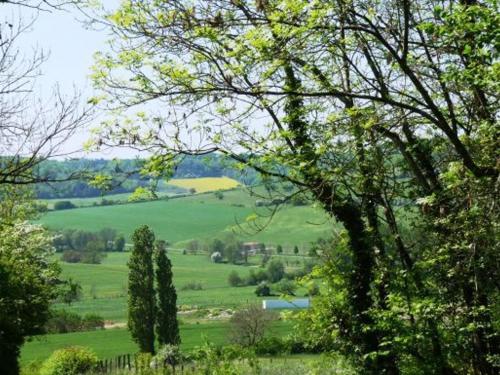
70	46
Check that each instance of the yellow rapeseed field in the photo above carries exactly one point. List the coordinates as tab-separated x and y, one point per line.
204	184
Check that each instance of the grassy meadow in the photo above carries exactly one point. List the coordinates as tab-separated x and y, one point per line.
104	285
113	342
202	217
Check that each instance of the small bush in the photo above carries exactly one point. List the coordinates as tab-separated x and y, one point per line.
63	205
234	279
92	322
275	271
192	286
92	257
168	355
143	364
63	321
286	287
71	256
271	346
70	361
263	290
254	278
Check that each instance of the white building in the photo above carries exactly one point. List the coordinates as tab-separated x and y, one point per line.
298	303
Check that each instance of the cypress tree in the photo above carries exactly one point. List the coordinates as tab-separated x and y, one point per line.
141	293
167	327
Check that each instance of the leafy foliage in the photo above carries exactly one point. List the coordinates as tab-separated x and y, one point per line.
384	113
70	361
28	276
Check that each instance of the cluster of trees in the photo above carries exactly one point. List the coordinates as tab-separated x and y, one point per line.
229	249
87	247
123	175
274	274
63	321
350	96
152	298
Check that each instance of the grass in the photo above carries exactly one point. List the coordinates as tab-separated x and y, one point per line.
203	217
113	342
104	286
205	184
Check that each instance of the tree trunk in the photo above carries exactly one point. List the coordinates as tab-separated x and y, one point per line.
9	355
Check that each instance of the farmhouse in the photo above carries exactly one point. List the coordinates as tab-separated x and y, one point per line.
252	248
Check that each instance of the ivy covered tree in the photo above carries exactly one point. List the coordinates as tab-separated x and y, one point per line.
384	113
141	291
167	326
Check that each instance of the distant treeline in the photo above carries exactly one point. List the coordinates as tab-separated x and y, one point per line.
125	174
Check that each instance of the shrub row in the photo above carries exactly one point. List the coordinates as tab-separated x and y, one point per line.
63	321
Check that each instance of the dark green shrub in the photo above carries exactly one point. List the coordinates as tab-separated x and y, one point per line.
263	290
70	361
251	279
275	271
234	279
63	205
71	256
119	243
272	346
192	286
92	322
62	321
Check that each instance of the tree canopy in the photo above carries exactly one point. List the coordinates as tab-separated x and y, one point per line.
372	108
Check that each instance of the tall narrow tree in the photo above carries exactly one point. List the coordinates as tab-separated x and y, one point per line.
141	293
167	327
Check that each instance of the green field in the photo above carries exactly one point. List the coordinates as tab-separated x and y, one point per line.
202	216
113	342
105	285
170	188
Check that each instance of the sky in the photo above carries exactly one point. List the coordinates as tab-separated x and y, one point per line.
70	47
